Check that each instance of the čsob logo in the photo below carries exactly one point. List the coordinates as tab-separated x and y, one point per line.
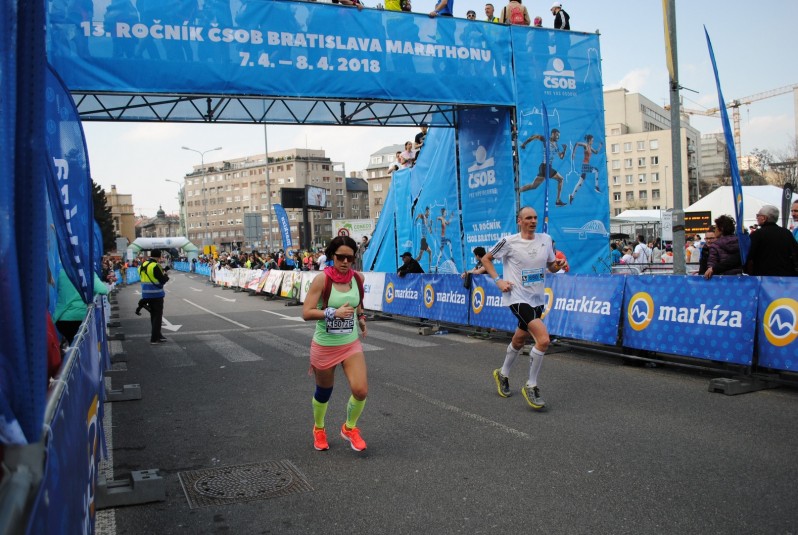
558	77
781	322
389	293
429	296
640	311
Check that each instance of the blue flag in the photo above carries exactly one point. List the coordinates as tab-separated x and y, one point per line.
737	186
285	226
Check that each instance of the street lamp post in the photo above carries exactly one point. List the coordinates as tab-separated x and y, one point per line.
204	192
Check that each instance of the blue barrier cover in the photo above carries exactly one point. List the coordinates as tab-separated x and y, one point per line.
74	446
288	49
486	308
584	307
778	323
690	316
133	275
402	295
445	298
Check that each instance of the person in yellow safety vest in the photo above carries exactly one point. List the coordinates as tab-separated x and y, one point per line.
153	279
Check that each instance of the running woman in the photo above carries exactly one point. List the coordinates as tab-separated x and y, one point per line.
338	319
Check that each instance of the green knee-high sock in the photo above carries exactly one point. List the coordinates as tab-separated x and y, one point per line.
319	410
354	409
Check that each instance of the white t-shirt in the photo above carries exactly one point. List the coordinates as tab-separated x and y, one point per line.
525	265
643	254
322	260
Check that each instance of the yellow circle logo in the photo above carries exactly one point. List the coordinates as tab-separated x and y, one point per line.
549	294
640	311
429	296
478	300
389	293
781	322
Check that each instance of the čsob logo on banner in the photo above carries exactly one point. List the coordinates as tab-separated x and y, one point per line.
558	77
481	173
781	322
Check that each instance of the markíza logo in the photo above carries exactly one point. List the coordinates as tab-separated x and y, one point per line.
478	300
548	293
781	322
640	311
429	296
389	293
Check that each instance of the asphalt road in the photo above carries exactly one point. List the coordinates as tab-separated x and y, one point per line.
619	449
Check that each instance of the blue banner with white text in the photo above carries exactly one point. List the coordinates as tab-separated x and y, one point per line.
584	307
284	224
289	49
402	295
445	298
677	317
565	162
69	186
778	323
487	185
486	306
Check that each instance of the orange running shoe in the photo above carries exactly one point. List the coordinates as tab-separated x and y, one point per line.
354	438
320	439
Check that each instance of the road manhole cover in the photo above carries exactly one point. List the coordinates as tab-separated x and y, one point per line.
243	483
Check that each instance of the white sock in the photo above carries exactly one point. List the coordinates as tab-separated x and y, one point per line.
535	362
509	358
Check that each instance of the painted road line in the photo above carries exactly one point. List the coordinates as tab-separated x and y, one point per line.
228	349
215	314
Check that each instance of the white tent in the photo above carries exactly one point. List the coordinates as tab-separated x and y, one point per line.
721	201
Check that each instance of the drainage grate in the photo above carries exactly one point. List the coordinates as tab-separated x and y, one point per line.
243	483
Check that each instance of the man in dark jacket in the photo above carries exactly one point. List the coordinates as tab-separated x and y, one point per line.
410	265
561	19
774	251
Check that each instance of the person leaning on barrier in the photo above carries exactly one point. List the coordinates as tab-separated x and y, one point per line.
409	265
335	303
70	309
774	251
709	237
724	252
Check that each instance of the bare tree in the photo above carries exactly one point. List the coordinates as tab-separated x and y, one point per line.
785	167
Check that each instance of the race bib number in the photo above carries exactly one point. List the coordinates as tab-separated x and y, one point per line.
341	326
531	277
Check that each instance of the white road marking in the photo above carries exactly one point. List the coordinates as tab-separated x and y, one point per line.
225	299
215	314
228	349
166	324
283	316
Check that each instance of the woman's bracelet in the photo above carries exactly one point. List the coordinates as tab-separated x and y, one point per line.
329	313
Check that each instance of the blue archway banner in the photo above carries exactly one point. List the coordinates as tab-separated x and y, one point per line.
288	49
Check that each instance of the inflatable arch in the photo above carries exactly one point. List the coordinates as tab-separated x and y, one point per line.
147	244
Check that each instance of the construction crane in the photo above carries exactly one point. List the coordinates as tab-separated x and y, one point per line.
735	107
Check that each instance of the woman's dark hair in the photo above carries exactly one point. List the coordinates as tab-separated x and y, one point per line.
337	242
479	252
725	225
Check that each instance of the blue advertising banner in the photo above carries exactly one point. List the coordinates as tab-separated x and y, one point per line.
402	295
486	306
584	307
288	49
285	226
674	314
382	253
69	186
445	298
567	160
75	444
778	323
487	184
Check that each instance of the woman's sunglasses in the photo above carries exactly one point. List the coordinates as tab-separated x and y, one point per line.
348	257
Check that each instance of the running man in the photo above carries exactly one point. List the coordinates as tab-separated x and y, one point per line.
586	167
542	171
426	228
526	257
444	240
